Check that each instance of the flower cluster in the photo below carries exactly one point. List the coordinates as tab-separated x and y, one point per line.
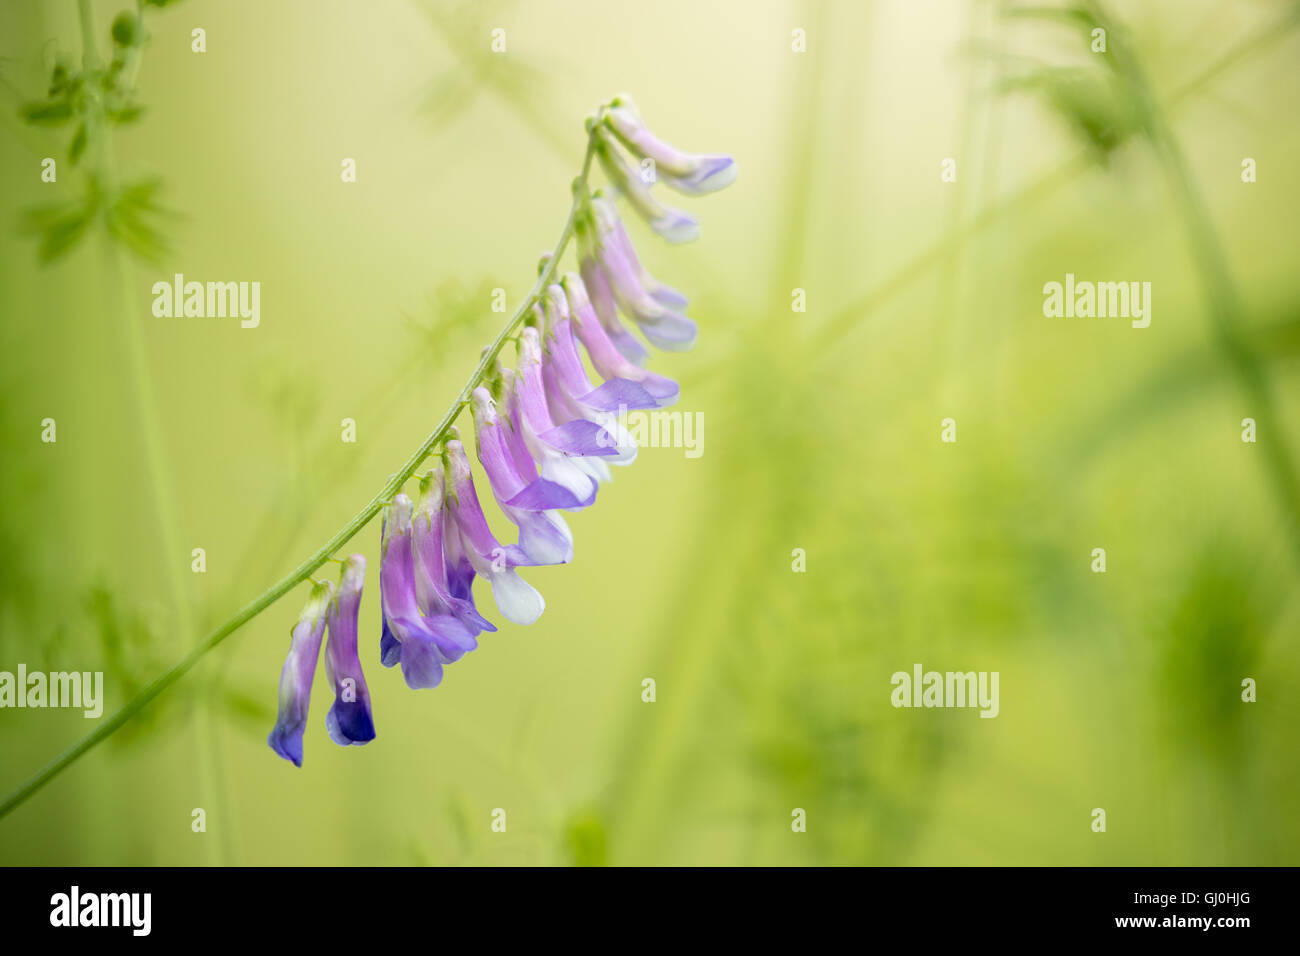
546	436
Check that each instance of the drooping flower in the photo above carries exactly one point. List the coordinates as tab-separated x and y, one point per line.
514	478
424	643
687	173
530	501
601	297
517	600
553	447
432	531
349	720
573	400
608	221
605	357
568	379
672	224
460	571
298	673
663	326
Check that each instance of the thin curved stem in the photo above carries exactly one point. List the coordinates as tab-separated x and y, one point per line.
326	551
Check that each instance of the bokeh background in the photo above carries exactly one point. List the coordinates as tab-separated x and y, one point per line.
822	432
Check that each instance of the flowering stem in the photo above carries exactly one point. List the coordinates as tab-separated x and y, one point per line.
325	553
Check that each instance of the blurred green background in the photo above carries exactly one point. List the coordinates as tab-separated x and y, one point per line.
822	432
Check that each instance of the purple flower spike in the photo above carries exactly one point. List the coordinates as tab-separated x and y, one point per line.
605	357
349	720
687	173
431	527
663	327
671	224
546	434
426	643
517	600
298	673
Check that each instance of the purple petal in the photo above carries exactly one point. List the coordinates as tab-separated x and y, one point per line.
552	464
604	356
675	226
618	394
349	720
711	174
543	536
543	495
297	675
686	172
671	332
580	437
493	449
563	359
430	543
463	502
390	648
421	663
602	302
672	224
661	325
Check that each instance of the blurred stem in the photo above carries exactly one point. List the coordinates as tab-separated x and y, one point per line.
650	749
1225	305
345	534
1224	301
475	67
100	146
848	318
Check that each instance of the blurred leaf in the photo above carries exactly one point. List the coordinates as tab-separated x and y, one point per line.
128	646
1094	105
244	707
586	839
292	395
47	112
1216	627
455	312
1069	15
61	225
521	84
450	96
141	195
127	114
1176	387
128	219
58	80
78	144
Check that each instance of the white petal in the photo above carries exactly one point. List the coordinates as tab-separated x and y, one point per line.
518	600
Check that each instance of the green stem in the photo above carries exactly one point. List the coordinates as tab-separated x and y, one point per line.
345	534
